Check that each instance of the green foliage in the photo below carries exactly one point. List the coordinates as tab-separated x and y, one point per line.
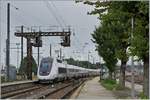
113	36
111	39
119	87
23	66
142	96
110	81
114	33
138	10
109	84
2	79
112	85
140	44
117	18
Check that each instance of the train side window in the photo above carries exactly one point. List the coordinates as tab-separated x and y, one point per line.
59	61
76	70
62	70
71	70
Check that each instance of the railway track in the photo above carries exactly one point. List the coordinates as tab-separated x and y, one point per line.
42	91
64	92
137	79
59	91
10	89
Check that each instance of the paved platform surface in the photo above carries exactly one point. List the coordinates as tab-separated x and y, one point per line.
18	82
93	90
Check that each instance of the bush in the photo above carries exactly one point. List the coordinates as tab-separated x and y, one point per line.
109	84
110	81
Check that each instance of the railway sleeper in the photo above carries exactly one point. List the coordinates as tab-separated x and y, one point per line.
10	94
63	93
42	95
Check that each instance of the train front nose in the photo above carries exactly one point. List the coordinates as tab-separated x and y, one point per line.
44	73
45	68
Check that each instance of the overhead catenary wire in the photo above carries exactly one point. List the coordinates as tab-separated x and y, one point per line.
53	13
59	15
16	17
19	22
21	18
77	44
35	18
21	15
0	32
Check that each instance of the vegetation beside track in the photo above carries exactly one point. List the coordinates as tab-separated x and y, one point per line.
118	91
142	96
109	84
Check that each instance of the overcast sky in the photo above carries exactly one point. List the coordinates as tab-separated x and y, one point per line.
46	13
50	13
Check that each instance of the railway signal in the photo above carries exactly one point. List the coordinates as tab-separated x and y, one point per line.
66	41
34	39
37	42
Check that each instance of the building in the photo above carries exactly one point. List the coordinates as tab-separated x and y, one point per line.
12	72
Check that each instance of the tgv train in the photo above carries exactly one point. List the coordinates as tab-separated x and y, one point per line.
52	69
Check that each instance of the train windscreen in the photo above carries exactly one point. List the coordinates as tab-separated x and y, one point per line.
45	66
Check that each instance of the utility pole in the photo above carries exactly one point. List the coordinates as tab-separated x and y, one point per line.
8	41
29	59
93	60
21	44
132	66
88	59
50	50
17	56
38	48
60	53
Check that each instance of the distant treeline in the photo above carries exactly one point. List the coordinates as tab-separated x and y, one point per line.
84	64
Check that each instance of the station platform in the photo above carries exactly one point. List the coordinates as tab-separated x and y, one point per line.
17	82
92	89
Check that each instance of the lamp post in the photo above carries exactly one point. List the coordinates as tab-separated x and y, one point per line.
17	44
22	44
8	41
88	58
93	59
132	65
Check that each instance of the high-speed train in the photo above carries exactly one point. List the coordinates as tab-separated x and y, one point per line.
52	69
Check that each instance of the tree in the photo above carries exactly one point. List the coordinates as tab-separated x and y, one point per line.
105	47
23	67
139	46
118	26
114	23
124	11
140	41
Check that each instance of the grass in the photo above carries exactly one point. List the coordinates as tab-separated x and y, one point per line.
142	96
119	87
109	84
119	92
